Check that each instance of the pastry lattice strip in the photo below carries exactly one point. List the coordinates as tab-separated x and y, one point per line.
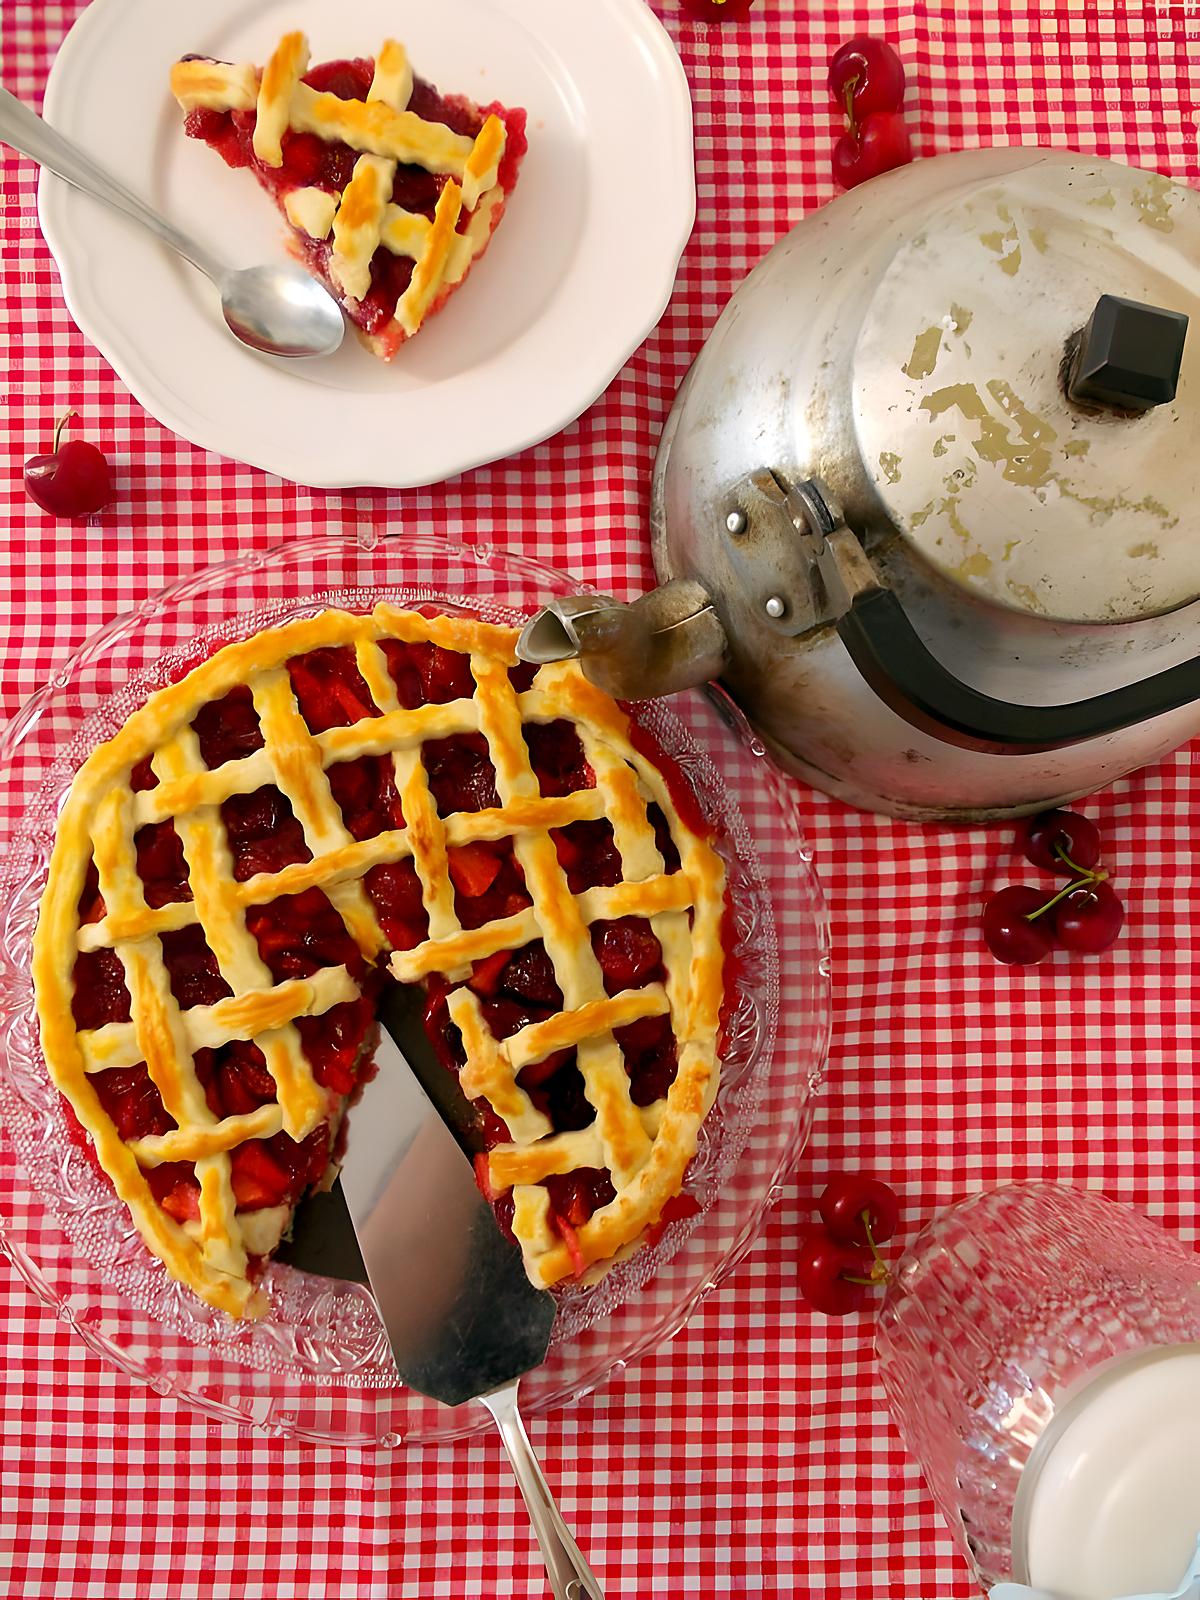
385	132
623	1137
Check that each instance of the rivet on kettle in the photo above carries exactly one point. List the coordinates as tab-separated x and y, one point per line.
775	607
736	522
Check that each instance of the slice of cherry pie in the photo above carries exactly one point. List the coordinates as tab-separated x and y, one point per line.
346	801
392	190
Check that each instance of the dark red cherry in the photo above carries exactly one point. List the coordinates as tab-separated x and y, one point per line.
851	1201
1090	918
825	1270
881	143
1010	936
1052	834
72	481
867	75
715	10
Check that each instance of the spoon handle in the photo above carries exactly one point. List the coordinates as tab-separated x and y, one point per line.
24	130
570	1576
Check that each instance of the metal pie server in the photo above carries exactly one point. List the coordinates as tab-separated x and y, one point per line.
406	1216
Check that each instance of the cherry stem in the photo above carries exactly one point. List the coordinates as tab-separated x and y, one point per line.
62	422
879	1273
848	96
1083	880
866	1222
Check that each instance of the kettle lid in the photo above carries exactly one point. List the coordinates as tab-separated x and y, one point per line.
1026	397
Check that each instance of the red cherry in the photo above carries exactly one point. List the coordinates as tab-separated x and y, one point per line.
882	143
72	481
1090	918
849	1199
866	75
715	10
1010	936
1051	831
825	1269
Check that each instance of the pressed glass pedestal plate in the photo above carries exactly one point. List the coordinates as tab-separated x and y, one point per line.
318	1367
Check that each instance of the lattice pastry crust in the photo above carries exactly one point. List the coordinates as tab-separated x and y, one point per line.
360	219
645	1149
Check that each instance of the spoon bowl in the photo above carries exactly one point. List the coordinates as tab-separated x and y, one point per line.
281	311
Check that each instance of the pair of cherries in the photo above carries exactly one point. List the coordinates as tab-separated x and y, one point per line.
840	1264
1023	924
866	78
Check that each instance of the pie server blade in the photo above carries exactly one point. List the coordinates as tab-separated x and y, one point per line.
406	1216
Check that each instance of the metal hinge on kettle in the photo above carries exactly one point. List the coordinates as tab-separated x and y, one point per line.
675	638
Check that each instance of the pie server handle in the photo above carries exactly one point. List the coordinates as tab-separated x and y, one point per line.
570	1576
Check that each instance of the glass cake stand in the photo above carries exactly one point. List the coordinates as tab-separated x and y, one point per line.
318	1367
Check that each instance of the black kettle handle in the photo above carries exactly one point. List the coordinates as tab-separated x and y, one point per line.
908	677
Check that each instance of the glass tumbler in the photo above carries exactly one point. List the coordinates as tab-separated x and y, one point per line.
1003	1308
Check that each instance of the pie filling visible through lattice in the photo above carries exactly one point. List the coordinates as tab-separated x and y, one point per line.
392	190
345	801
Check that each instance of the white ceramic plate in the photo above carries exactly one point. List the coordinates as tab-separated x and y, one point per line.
578	274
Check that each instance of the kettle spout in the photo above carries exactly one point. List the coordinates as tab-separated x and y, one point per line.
670	639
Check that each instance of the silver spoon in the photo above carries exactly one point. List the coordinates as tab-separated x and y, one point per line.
279	309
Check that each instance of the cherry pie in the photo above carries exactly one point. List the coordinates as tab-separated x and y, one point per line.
392	190
345	801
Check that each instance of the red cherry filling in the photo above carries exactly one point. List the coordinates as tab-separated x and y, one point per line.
629	954
365	792
651	1058
218	129
330	690
461	774
131	1098
100	995
143	777
175	1188
473	868
235	1078
91	901
556	755
664	839
192	967
277	1171
488	887
264	833
299	934
588	854
228	729
348	79
395	892
574	1196
427	674
526	975
335	1043
558	1093
161	865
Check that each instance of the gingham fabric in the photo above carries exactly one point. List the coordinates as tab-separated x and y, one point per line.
753	1454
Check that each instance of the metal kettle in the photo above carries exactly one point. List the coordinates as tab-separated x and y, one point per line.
928	503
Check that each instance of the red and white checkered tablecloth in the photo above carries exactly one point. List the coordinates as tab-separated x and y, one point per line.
753	1454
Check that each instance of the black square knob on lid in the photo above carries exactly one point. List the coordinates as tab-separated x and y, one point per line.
1129	355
